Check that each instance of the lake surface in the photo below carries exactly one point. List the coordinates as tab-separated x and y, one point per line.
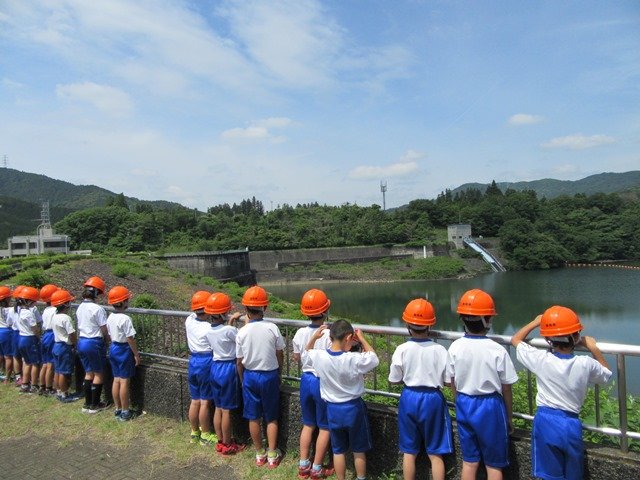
607	300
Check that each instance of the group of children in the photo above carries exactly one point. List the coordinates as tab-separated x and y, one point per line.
39	347
226	362
335	358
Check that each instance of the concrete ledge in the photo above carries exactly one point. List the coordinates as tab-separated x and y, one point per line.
161	387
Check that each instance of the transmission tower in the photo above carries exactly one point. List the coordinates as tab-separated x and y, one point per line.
45	219
383	189
5	161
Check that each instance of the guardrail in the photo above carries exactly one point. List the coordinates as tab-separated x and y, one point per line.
160	334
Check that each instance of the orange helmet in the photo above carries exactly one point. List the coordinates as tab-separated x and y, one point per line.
16	291
476	303
60	297
559	321
118	294
5	292
218	303
47	291
314	302
255	297
29	293
419	312
97	283
199	300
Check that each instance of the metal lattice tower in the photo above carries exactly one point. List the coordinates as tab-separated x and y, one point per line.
383	189
45	218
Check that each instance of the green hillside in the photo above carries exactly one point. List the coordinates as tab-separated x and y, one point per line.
18	217
35	188
551	188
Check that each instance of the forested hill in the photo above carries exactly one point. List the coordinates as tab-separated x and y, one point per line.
551	188
35	188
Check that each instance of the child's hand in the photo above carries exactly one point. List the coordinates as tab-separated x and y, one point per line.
358	335
318	333
234	318
588	342
538	320
136	358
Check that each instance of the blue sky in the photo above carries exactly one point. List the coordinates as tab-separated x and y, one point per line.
300	100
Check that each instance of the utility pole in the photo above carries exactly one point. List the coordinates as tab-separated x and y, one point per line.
383	189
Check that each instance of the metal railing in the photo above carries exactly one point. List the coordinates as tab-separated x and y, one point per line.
160	334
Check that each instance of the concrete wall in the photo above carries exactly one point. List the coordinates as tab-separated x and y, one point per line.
272	259
161	388
226	266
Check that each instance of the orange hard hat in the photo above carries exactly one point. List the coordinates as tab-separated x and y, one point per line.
218	303
199	300
5	292
314	302
60	297
16	291
558	321
97	283
118	294
476	303
419	312
29	293
47	291
255	297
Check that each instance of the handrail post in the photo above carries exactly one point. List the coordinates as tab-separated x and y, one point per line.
622	402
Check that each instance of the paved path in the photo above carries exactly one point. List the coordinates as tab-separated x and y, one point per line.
87	459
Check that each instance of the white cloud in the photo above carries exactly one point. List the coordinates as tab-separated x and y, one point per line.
11	84
406	165
565	169
293	41
251	133
525	119
103	97
274	122
259	130
579	141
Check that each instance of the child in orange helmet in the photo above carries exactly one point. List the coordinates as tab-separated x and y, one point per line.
47	341
65	338
259	352
315	305
423	416
225	385
92	343
197	328
6	335
123	352
482	374
562	379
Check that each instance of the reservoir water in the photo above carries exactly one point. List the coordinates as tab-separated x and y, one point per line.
607	300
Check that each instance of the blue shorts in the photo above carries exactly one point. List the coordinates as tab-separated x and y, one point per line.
261	395
200	376
423	417
62	358
483	429
349	426
29	348
93	354
557	450
123	365
6	342
314	408
47	340
15	342
224	384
